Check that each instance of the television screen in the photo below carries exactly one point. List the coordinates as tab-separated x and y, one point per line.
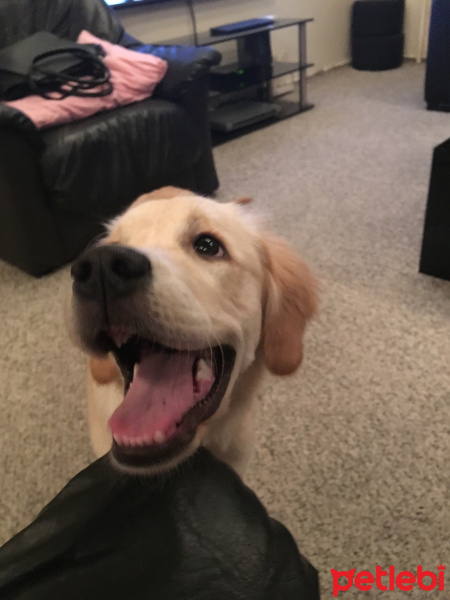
129	3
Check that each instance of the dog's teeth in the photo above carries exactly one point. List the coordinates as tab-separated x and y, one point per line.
204	369
143	441
159	437
124	440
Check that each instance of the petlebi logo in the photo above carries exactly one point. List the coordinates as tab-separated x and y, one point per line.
388	580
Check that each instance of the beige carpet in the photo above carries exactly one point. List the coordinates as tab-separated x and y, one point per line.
353	452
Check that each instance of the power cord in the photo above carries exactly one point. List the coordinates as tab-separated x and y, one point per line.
193	19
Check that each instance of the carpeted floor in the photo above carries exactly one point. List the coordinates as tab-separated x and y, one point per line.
352	453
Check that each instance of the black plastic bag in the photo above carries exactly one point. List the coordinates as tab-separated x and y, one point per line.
47	65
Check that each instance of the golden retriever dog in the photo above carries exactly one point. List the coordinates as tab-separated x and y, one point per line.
182	307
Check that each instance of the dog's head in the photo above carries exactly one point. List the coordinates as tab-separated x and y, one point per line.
186	294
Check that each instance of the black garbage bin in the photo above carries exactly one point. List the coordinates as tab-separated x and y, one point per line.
377	38
435	253
437	76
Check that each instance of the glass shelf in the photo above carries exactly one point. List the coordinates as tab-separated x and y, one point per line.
288	106
250	77
204	38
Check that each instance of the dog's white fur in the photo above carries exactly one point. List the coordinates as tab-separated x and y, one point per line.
258	299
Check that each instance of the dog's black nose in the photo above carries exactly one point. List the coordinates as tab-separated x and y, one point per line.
113	271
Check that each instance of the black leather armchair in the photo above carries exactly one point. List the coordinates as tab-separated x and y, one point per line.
58	185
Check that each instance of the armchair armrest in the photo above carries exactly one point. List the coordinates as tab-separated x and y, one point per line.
29	232
187	64
13	119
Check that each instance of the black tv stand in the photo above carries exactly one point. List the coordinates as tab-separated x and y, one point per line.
252	77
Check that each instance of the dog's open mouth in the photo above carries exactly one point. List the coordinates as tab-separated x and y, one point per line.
168	393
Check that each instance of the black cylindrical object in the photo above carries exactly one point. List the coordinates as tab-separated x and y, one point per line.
377	17
377	53
435	254
377	39
437	79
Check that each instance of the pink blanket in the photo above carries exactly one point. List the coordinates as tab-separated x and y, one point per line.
134	76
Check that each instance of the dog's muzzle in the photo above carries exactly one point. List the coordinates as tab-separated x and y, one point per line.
168	392
110	272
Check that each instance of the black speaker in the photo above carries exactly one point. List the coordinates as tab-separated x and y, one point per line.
437	76
377	17
435	255
254	52
377	53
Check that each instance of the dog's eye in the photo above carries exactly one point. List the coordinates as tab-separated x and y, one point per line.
208	245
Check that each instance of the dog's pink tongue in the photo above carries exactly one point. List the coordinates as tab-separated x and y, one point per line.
162	391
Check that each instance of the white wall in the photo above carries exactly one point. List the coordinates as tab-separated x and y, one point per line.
417	18
328	36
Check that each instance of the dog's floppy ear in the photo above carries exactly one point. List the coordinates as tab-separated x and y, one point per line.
290	300
164	193
104	370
